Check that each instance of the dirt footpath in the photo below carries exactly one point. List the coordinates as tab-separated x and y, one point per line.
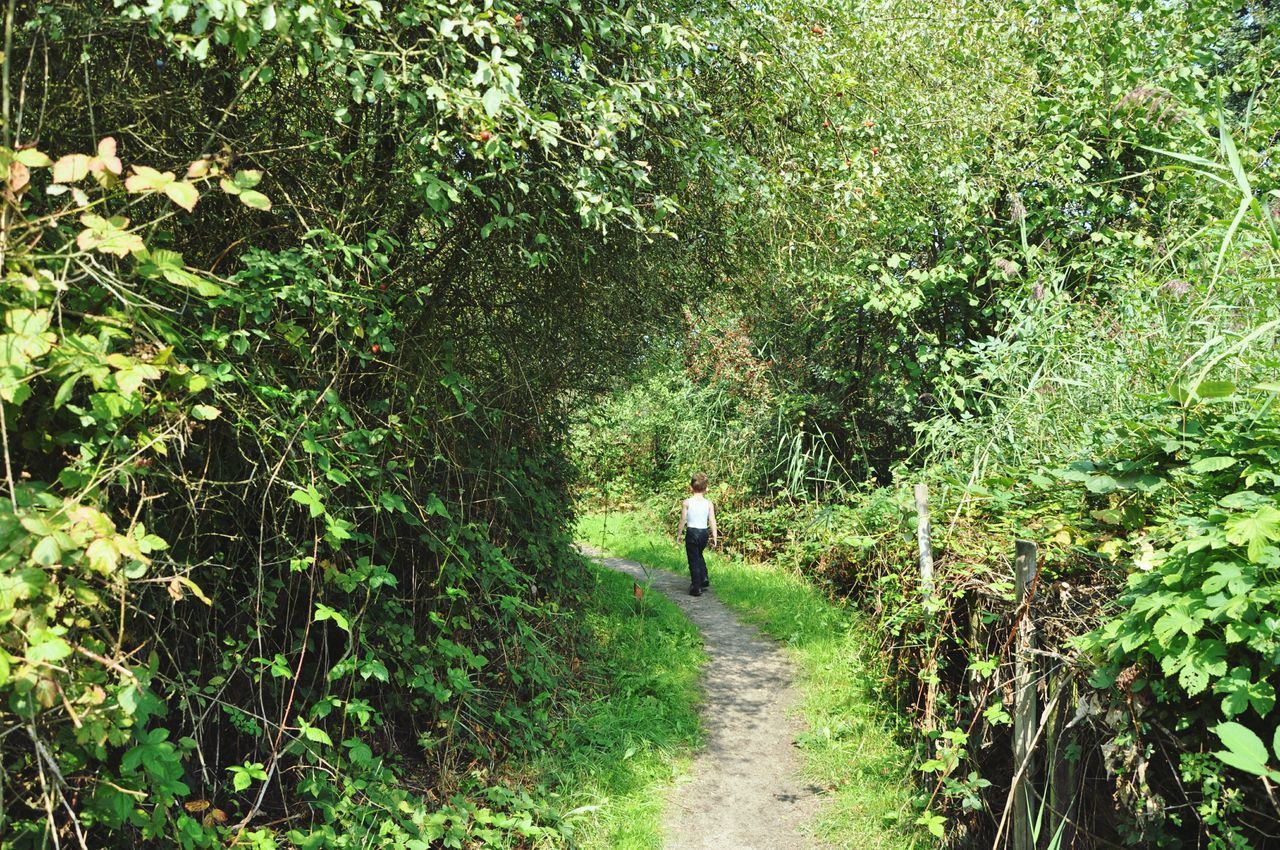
743	792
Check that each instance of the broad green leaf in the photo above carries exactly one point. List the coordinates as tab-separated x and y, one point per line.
71	168
315	733
205	412
1101	484
32	158
247	179
255	199
1214	389
311	498
1213	464
48	648
108	236
1255	530
183	194
492	101
1245	750
46	551
103	554
145	179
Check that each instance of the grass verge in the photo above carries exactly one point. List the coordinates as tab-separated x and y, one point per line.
633	725
850	747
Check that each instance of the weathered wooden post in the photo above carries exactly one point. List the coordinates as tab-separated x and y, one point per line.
926	545
1024	710
926	593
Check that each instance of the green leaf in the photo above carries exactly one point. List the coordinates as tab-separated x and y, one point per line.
205	412
46	552
1174	621
1241	693
1255	531
492	101
1101	484
311	498
145	180
1213	464
183	194
315	733
108	236
255	199
247	179
33	158
49	648
1245	750
324	612
1214	389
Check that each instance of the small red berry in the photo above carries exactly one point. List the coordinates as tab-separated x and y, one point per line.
816	30
382	286
868	123
875	151
519	19
375	348
485	135
826	124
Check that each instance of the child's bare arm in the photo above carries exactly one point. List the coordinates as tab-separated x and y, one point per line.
684	519
711	520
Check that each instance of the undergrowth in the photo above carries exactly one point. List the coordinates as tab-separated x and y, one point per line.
850	748
628	729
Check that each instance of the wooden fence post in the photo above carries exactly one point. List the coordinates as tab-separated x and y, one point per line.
922	537
1025	720
926	592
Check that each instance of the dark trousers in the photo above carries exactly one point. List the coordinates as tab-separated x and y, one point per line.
695	540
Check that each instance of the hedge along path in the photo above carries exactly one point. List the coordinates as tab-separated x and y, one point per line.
743	792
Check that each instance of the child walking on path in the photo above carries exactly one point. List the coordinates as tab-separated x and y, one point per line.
698	524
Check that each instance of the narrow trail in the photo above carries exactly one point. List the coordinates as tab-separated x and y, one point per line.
743	792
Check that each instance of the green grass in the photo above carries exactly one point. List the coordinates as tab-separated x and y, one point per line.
634	724
850	747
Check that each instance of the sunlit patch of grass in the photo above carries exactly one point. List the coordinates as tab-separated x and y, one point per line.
633	726
850	747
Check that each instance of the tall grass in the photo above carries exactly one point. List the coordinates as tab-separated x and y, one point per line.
851	748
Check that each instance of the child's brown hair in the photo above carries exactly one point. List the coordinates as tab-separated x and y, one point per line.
698	483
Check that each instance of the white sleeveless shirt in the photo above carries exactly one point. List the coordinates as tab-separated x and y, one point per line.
699	511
